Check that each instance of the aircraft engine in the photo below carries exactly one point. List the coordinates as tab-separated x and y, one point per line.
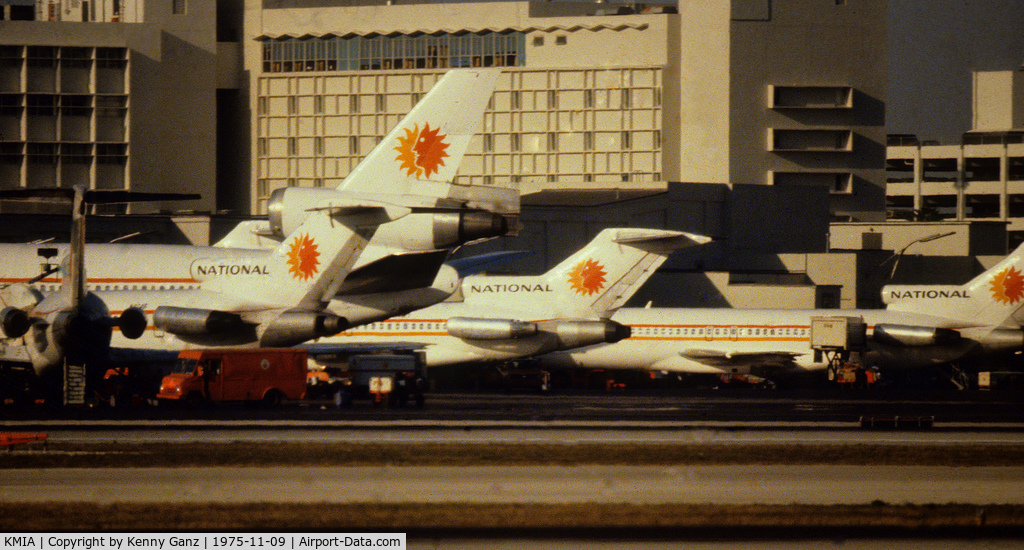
190	321
296	326
490	329
78	335
908	335
574	334
455	228
14	323
1002	339
420	230
18	298
132	322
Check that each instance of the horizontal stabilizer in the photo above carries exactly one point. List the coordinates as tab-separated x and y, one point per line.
635	236
475	264
394	273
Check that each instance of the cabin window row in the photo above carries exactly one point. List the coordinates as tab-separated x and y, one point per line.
721	331
114	287
404	326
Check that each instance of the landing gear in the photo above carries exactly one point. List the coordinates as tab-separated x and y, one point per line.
836	359
959	376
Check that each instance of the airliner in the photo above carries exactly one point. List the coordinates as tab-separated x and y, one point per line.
499	318
335	258
280	305
920	326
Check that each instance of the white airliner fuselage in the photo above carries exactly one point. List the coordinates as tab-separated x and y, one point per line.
727	340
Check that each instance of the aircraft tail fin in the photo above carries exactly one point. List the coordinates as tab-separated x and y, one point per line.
429	143
308	267
994	298
600	277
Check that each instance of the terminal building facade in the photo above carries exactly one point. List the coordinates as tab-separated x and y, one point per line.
754	92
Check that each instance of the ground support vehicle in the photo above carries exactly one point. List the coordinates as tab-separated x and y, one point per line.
392	376
217	375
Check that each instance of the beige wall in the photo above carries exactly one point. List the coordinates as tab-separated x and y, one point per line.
169	119
996	101
697	91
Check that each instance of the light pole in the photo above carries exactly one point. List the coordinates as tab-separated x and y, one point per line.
899	254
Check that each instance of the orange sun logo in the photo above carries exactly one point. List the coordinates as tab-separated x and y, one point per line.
421	152
1008	286
587	277
303	257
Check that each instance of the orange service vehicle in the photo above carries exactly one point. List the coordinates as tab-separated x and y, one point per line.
215	375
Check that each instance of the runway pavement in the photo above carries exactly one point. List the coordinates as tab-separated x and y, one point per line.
741	405
734	484
512	432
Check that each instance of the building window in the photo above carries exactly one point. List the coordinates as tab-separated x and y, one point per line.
394	52
488	143
588	141
538	41
179	7
552	141
552	99
560	40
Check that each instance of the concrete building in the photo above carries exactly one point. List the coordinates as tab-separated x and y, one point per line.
111	94
934	48
783	93
980	178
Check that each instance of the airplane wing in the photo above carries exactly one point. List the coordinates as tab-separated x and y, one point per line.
14	353
719	358
330	350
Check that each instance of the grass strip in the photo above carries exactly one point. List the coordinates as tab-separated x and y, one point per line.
115	455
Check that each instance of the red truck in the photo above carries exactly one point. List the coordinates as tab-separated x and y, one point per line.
216	375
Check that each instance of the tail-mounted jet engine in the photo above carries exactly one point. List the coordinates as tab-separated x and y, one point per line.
908	335
426	229
287	329
564	334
